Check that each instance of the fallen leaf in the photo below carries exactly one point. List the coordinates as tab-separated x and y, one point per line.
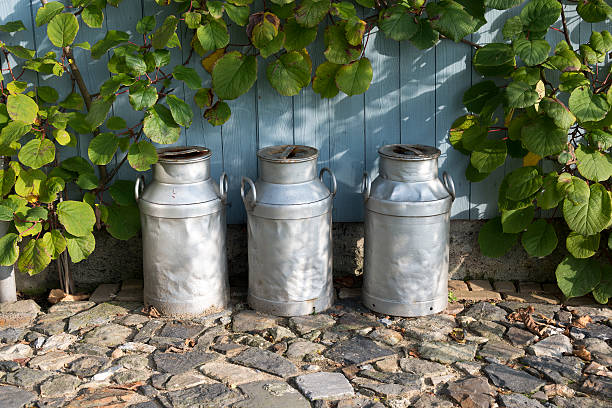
130	387
583	353
151	311
582	321
55	296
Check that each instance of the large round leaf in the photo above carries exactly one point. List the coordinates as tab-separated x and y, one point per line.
398	23
543	138
489	155
355	78
9	251
142	155
80	248
523	182
603	292
540	239
577	277
324	82
37	152
102	148
582	246
218	114
515	221
213	35
77	217
181	112
562	117
338	50
538	15
22	108
297	37
311	12
54	243
502	4
160	127
594	164
532	52
123	222
451	19
495	60
587	210
480	95
586	106
34	258
594	11
520	95
62	29
492	239
47	12
289	73
234	74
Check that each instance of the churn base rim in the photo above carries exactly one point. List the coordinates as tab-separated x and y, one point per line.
413	309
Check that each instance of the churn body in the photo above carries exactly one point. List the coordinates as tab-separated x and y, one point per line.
289	232
407	223
182	213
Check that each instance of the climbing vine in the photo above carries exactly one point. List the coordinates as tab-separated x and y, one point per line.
550	107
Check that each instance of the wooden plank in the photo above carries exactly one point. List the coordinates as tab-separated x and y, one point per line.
453	77
11	10
274	111
383	98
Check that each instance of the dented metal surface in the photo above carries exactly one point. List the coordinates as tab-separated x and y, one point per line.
183	221
407	221
289	229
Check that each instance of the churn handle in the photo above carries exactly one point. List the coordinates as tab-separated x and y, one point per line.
366	184
333	179
251	204
449	184
223	186
139	187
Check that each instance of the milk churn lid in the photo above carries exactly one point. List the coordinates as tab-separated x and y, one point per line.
409	152
183	154
288	153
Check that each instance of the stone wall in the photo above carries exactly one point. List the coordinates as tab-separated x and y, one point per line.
114	261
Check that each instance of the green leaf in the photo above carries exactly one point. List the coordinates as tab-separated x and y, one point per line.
142	96
582	246
136	64
587	210
425	36
181	112
594	11
502	4
493	241
47	94
102	148
603	292
538	15
142	155
265	30
572	80
28	183
112	39
93	16
520	95
203	98
54	243
514	221
80	248
540	239
577	277
289	73
600	139
233	75
522	183
324	82
50	188
20	51
77	217
586	106
72	101
398	23
146	24
215	8
543	138
311	12
159	125
98	112
122	192
513	28
451	19
479	95
22	108
187	75
12	26
37	152
6	213
238	14
34	257
549	195
123	222
47	12
273	46
9	251
562	117
218	114
494	60
532	52
354	30
489	155
338	50
116	123
62	29
594	164
7	180
213	35
164	33
355	78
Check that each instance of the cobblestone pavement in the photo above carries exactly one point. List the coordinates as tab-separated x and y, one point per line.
478	353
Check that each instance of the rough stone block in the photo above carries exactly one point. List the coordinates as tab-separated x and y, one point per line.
324	386
105	292
476	285
457	285
529	287
478	295
504	286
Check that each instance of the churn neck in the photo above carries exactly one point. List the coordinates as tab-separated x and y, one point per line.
403	162
182	165
287	164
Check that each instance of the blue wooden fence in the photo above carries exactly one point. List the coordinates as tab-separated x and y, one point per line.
414	98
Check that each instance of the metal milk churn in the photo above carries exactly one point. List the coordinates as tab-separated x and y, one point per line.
182	213
407	223
289	226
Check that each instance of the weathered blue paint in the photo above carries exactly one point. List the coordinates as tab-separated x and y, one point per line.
414	98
